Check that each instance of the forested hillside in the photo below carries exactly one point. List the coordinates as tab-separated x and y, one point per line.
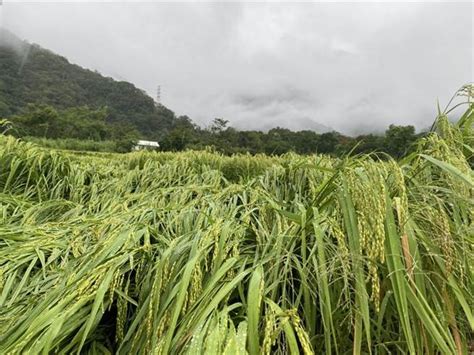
30	74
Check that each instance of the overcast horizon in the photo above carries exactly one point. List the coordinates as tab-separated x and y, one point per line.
354	67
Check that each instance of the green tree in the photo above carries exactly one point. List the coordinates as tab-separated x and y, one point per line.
183	134
368	144
306	142
38	120
250	141
327	143
399	139
218	125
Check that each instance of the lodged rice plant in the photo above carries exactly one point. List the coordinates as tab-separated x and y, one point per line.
198	253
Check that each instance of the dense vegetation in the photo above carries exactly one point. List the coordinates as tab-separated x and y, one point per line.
79	128
197	252
66	128
397	140
46	97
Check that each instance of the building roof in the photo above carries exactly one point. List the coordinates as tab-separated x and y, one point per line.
148	143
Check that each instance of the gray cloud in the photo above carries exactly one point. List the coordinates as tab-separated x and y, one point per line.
351	66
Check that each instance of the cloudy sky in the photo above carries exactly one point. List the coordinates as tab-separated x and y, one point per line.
350	66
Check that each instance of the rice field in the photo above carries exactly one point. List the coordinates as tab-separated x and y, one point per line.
198	253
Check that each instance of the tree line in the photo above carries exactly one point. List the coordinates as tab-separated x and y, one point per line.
397	140
89	124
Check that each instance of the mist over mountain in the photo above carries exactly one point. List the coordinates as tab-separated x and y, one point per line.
31	74
8	39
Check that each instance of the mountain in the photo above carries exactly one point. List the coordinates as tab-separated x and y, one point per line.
301	124
30	74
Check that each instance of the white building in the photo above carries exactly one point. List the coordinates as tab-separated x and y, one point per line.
141	144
